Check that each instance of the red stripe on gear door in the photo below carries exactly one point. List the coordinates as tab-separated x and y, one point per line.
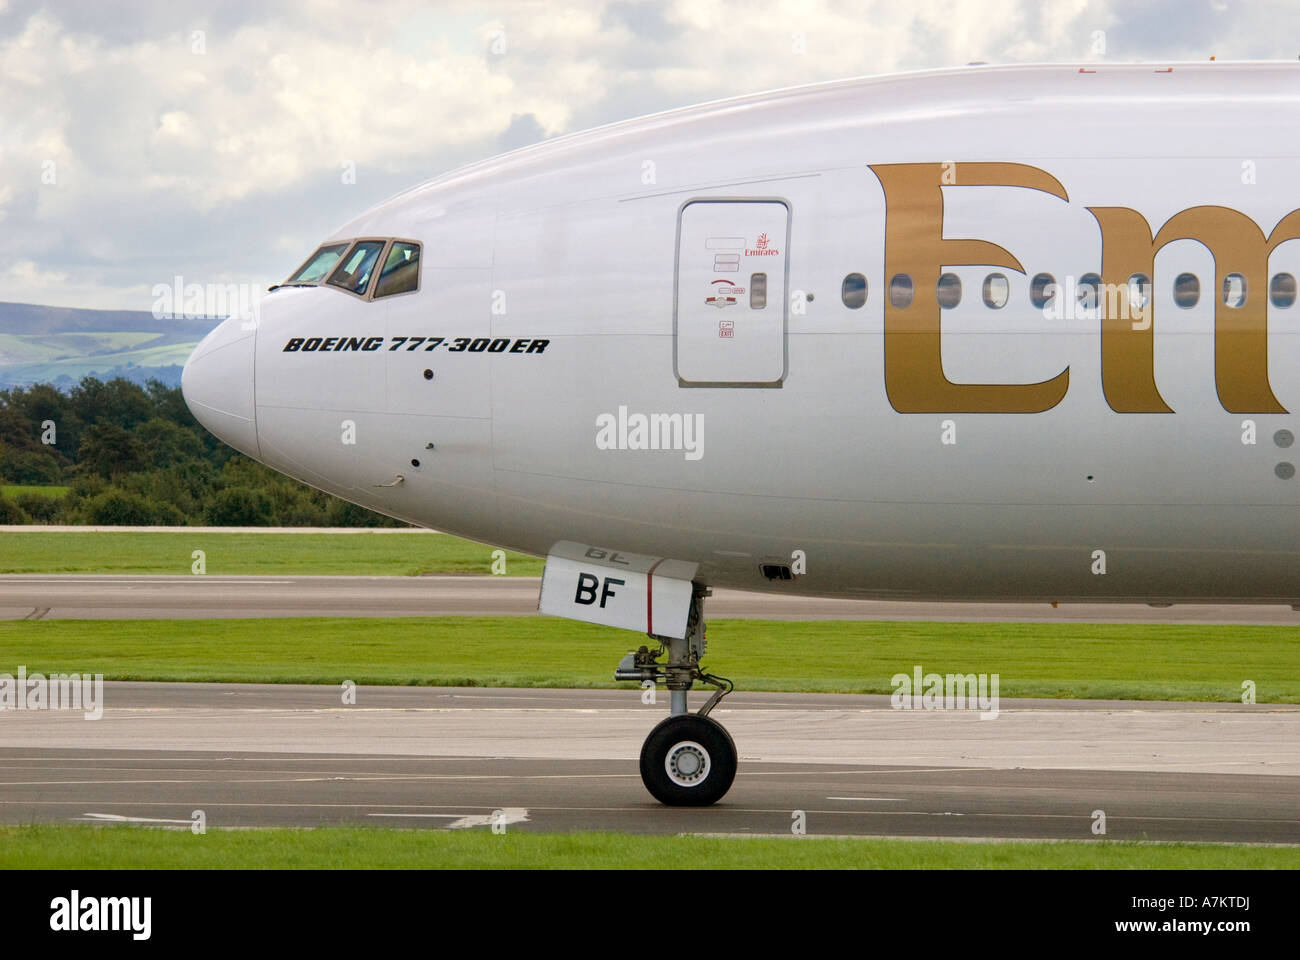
650	599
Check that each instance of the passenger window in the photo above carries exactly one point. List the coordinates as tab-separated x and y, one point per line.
1234	290
319	263
1187	290
1042	290
758	291
356	269
900	291
1139	291
401	273
996	291
1281	290
948	290
1088	293
854	291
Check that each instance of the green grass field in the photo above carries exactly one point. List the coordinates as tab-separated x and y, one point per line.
18	489
281	554
1095	661
90	847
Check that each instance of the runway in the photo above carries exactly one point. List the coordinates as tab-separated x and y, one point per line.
80	596
554	760
257	755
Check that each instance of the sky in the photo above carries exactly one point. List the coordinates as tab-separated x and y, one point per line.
220	141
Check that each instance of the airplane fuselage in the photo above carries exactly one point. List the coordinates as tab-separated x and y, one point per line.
930	336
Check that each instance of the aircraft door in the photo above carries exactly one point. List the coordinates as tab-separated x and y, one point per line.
729	316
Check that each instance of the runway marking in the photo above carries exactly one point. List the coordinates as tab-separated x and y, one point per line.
882	770
378	778
508	816
651	810
100	783
882	799
396	775
227	769
119	818
1127	821
864	769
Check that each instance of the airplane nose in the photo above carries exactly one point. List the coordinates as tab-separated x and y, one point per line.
217	383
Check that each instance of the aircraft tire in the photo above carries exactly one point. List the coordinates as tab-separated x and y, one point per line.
688	761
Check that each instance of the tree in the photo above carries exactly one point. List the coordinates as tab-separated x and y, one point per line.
39	507
168	403
17	430
136	455
41	402
108	450
113	508
240	507
28	466
10	512
161	444
119	401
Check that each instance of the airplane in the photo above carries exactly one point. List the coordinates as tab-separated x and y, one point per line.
995	333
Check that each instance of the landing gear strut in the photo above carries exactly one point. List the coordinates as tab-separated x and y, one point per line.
689	760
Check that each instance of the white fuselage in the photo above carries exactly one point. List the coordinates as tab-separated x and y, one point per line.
900	449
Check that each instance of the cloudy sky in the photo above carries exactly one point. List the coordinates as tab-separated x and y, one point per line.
142	140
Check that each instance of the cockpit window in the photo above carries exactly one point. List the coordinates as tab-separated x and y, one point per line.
352	265
356	269
319	264
401	273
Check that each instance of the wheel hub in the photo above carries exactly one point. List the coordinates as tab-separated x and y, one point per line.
687	764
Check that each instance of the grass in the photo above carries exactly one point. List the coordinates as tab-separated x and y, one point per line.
278	554
1093	661
65	847
18	489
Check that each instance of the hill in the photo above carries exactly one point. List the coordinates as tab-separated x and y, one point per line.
61	345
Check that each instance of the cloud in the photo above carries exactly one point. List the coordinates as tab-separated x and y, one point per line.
25	281
211	141
523	131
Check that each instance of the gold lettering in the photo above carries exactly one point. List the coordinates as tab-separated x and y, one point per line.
1128	364
915	246
1240	333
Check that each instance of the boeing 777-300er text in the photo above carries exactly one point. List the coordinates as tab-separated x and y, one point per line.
1022	333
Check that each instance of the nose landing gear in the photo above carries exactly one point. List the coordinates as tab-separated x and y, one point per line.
689	759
